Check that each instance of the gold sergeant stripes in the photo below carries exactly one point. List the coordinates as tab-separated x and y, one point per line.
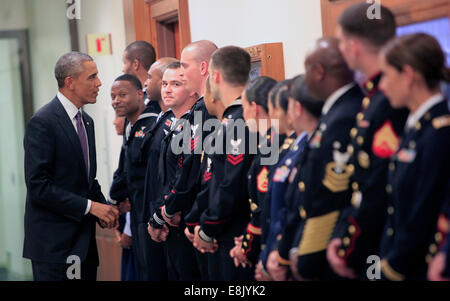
317	233
254	230
390	273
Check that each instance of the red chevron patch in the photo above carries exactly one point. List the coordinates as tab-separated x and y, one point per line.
235	160
207	176
194	143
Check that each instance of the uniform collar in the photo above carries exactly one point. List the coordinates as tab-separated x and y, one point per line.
331	100
413	118
69	107
370	86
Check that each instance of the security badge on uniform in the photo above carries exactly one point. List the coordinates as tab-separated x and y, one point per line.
337	172
140	133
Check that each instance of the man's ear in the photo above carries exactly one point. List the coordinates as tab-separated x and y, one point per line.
319	72
140	93
203	68
68	82
217	76
136	64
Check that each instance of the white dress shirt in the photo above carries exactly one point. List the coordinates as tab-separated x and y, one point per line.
72	111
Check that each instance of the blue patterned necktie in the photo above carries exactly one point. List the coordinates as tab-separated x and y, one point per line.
83	140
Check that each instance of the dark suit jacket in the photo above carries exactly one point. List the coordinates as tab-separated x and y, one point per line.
58	187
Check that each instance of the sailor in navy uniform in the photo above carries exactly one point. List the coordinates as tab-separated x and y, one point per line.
228	209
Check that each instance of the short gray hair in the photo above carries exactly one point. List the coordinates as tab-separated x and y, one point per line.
70	64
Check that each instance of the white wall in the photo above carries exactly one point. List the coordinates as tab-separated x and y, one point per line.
12	14
104	16
295	23
49	38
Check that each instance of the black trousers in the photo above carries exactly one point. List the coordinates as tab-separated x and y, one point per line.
150	255
221	265
181	257
44	271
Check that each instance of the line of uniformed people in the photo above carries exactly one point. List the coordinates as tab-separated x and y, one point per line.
362	169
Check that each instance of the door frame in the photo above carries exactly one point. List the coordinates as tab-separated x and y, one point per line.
25	68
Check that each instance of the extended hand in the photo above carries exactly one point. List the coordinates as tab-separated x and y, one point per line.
108	215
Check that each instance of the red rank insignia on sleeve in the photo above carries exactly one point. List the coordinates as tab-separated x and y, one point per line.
385	141
235	159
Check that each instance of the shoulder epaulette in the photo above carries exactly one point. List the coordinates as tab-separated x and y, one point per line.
440	122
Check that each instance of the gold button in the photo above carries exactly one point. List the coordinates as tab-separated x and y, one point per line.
353	132
369	86
346	241
390	232
389	188
391	166
350	149
366	102
418	126
360	140
243	250
438	237
302	212
301	186
250	201
355	186
248	236
433	249
251	214
351	168
359	116
351	229
279	236
429	258
245	244
341	253
390	210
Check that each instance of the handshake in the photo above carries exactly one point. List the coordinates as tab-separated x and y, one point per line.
107	214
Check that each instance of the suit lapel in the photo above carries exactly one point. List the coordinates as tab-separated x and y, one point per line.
69	130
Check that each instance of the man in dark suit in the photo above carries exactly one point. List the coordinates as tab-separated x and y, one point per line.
63	196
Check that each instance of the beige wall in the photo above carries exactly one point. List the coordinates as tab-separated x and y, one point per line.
104	16
296	23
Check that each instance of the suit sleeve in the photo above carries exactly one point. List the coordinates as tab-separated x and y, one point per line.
39	145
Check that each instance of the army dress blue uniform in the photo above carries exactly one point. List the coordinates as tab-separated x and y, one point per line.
417	189
228	209
374	139
275	203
